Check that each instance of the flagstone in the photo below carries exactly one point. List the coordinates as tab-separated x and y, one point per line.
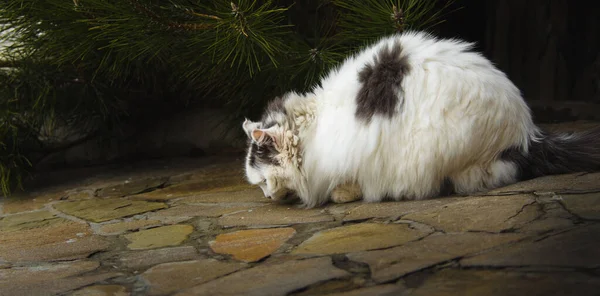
251	245
164	236
101	210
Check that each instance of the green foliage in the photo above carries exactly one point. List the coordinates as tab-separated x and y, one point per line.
362	21
95	64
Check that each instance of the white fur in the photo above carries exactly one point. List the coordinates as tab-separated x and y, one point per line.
458	114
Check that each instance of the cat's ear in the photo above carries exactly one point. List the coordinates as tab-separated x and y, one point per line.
250	126
260	136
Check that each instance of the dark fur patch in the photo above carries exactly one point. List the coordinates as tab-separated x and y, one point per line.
381	83
264	153
556	154
447	187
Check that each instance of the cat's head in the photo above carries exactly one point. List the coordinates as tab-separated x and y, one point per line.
272	161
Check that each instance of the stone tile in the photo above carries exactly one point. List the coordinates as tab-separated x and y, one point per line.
546	225
395	262
450	282
382	290
79	194
122	227
49	279
45	272
225	182
29	201
278	279
586	206
29	220
100	210
274	214
159	237
579	247
555	183
131	186
167	278
48	240
490	213
182	213
56	287
254	195
142	259
102	290
344	285
361	211
251	245
358	237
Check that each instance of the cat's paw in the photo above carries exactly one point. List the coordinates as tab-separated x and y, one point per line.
346	193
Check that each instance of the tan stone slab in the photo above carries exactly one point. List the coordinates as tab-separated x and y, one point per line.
344	285
451	282
578	247
555	183
490	213
254	195
278	279
102	290
586	206
49	279
182	213
361	211
546	225
29	220
71	249
208	184
60	240
393	263
44	272
164	236
274	214
141	259
79	194
100	210
251	245
56	287
358	237
381	290
131	186
121	227
167	278
29	202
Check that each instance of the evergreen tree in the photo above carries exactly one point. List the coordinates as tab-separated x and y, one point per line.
90	65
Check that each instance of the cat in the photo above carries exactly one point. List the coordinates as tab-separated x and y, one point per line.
410	117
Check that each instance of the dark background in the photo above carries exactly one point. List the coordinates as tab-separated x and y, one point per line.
549	49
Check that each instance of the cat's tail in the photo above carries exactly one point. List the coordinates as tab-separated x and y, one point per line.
558	153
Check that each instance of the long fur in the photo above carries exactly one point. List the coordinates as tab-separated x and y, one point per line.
455	123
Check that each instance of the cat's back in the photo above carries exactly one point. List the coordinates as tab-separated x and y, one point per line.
414	54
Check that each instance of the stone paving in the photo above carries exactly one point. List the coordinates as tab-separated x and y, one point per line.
199	229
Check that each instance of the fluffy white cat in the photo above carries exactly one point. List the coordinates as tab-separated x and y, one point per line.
410	117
